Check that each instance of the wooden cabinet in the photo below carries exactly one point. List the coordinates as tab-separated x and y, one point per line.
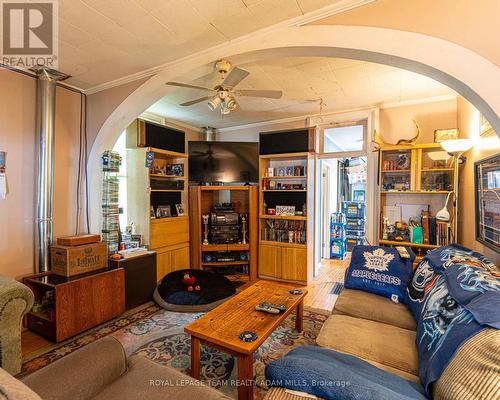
269	261
286	246
75	304
171	258
293	262
283	262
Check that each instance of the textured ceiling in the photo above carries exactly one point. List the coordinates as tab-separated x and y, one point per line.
103	40
341	83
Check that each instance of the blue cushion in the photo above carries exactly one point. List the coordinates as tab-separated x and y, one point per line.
337	376
380	270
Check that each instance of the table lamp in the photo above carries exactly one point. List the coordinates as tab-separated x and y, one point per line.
454	147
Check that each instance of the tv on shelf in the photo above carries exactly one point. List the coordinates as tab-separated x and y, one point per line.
223	162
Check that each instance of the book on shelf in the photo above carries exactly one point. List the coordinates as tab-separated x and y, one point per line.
442	233
425	227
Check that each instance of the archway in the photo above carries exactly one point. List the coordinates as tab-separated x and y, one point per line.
477	79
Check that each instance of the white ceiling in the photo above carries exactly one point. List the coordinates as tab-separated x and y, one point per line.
343	84
103	40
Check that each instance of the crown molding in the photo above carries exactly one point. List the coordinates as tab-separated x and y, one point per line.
324	12
159	119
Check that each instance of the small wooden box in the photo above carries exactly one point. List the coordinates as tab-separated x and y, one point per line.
74	260
78	240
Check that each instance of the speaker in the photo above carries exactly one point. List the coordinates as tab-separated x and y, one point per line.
288	141
160	137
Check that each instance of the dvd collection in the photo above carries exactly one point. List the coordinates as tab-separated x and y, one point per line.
285	231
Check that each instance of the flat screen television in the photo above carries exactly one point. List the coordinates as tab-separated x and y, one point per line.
223	162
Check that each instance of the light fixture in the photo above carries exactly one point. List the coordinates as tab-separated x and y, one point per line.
444	214
230	103
214	102
439	155
457	146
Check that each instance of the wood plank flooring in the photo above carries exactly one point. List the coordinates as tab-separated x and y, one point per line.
319	296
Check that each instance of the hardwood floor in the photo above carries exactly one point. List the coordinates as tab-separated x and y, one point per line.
319	296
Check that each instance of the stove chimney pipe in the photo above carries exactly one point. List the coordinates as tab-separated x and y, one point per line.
45	122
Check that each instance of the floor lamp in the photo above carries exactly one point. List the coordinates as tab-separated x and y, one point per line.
454	147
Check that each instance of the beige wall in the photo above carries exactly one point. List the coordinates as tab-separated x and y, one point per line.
17	138
471	24
396	123
468	123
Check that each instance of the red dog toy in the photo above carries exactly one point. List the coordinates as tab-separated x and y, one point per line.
189	281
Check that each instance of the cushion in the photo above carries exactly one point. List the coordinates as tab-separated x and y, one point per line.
333	375
146	379
380	270
372	341
357	303
172	294
474	371
13	389
82	374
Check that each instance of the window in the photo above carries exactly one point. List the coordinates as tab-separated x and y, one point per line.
344	139
120	147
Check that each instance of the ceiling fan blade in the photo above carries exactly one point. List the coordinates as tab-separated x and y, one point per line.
235	76
190	103
271	94
185	85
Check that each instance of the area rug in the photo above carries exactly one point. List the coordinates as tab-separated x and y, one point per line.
158	334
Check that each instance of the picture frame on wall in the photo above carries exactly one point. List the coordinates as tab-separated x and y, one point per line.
487	201
441	135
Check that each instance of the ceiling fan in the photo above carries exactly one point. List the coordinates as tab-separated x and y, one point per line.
224	95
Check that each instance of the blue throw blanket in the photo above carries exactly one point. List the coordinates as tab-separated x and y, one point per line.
332	375
454	294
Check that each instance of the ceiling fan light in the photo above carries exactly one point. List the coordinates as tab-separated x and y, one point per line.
230	103
214	102
224	110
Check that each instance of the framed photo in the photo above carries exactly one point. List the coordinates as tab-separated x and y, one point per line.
445	134
289	171
179	208
487	199
281	171
163	212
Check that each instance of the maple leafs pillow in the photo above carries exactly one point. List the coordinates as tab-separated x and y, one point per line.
380	270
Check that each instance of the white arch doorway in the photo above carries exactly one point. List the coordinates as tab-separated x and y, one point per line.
471	75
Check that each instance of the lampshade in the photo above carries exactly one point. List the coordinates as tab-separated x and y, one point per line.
456	146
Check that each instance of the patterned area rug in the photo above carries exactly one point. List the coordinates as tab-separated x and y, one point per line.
158	335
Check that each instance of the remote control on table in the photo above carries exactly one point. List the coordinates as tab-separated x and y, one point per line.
280	307
266	308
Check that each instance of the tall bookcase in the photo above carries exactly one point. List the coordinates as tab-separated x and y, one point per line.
286	244
244	200
412	176
151	184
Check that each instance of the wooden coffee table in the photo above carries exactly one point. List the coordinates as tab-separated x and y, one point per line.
221	327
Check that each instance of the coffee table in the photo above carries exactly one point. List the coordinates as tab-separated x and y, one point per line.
221	327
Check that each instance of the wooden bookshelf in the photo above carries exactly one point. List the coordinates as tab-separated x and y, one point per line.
168	236
289	260
421	175
244	199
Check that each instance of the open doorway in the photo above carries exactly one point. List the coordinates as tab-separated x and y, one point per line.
343	205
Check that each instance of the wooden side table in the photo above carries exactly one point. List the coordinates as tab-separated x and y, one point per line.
75	304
